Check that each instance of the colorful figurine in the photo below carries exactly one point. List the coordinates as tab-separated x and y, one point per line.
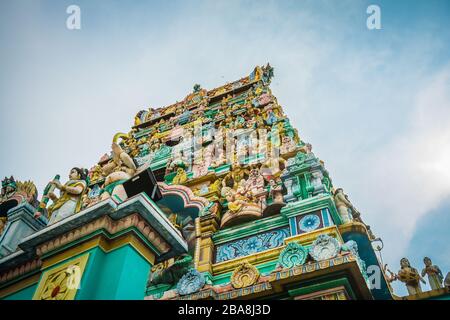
69	202
435	276
409	276
117	171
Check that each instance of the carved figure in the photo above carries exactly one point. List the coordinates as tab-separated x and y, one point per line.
118	170
343	205
69	202
409	276
435	276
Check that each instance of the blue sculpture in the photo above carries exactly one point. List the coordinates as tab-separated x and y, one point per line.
243	247
191	282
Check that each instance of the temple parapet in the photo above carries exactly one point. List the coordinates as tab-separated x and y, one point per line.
136	228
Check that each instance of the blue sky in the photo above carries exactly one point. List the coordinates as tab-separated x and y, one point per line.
374	104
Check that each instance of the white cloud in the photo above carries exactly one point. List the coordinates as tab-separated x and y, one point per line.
410	175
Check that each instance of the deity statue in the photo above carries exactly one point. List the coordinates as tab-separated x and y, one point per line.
215	186
409	276
9	186
343	205
95	173
218	156
255	182
201	161
238	174
276	191
14	193
181	176
71	193
178	160
272	168
435	276
117	171
287	145
271	117
236	198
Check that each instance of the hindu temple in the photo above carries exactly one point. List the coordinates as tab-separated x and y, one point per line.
214	197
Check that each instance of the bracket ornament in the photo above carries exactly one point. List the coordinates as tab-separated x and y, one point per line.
191	282
244	275
324	247
294	254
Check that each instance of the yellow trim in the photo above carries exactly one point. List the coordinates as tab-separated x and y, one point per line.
353	227
59	257
106	245
306	239
48	280
120	135
426	294
272	254
132	240
22	284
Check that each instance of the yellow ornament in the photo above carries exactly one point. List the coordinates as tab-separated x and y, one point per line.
244	275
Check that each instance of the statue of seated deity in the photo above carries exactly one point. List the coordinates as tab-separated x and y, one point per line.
242	205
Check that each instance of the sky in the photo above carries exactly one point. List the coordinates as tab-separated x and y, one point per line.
375	104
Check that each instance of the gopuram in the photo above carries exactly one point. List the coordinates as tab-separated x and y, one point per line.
214	197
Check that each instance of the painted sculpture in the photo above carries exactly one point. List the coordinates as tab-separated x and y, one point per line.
192	281
324	247
343	205
244	275
294	254
14	193
435	276
409	276
118	170
71	193
170	271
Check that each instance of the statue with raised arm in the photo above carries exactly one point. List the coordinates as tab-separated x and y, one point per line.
435	276
410	277
118	170
71	193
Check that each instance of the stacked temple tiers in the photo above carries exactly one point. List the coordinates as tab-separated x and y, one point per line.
235	206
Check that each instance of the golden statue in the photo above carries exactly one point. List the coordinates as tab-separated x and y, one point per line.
181	177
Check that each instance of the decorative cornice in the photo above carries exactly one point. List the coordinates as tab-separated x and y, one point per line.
189	199
20	270
274	282
112	227
137	212
19	285
304	239
311	204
